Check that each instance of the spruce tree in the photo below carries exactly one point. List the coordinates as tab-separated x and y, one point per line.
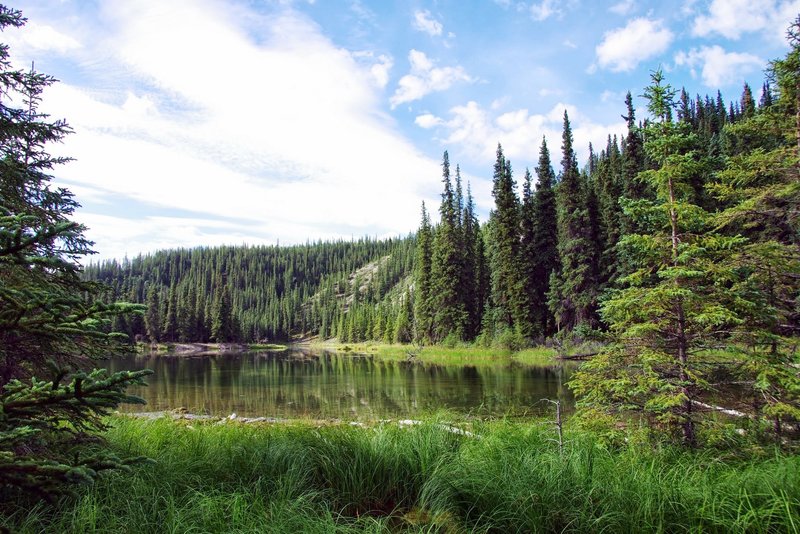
677	302
472	248
53	324
170	329
545	239
528	325
447	305
504	252
222	325
423	314
759	195
573	293
152	318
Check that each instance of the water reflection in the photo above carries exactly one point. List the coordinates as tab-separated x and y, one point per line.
325	385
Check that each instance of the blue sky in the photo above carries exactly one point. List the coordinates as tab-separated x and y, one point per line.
203	122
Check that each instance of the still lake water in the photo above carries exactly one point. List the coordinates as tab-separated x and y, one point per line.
326	385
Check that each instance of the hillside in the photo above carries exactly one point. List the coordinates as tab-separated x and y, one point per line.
261	293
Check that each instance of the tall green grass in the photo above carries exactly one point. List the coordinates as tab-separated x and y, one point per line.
466	354
423	478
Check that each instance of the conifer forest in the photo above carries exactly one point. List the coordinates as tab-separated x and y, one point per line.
668	262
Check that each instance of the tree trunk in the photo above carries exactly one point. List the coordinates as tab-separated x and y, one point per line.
689	437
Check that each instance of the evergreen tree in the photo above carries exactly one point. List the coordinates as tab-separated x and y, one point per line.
403	324
633	162
52	324
676	302
528	325
472	296
152	318
504	253
423	314
222	326
573	294
170	329
545	239
449	314
758	191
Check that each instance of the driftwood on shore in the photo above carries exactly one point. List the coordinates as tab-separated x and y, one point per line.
185	416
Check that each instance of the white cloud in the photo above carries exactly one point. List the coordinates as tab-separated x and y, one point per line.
732	18
544	10
279	136
624	48
380	70
475	132
425	78
427	120
34	38
623	7
718	67
424	22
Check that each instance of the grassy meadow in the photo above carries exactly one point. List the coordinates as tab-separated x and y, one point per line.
500	477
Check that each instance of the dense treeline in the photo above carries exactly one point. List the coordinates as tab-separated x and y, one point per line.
261	293
677	239
539	266
674	245
553	253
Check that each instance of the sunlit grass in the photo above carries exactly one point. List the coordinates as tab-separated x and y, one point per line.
438	354
425	477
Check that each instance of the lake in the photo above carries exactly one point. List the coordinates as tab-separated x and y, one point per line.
325	385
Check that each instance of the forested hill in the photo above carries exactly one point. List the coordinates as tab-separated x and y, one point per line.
256	293
696	181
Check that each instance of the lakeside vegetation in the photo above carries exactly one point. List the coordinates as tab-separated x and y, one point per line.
700	257
193	348
422	478
677	240
439	354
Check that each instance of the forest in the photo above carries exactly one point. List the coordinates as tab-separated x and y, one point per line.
671	246
674	253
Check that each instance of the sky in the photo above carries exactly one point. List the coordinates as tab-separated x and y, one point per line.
209	122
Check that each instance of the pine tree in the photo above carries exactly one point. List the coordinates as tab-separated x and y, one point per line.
675	303
447	305
504	251
222	326
545	240
573	296
423	314
152	318
52	323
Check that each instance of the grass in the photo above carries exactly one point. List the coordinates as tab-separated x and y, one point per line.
442	355
267	346
423	478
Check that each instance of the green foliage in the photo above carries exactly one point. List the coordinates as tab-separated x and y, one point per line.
504	246
51	322
572	296
274	292
423	313
44	429
422	478
676	302
447	264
